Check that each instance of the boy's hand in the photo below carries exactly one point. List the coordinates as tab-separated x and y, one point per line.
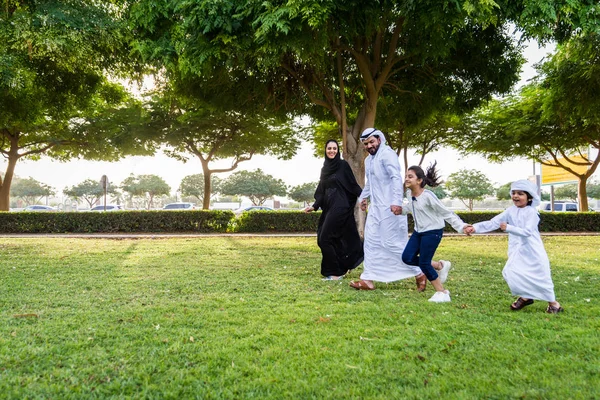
469	230
503	226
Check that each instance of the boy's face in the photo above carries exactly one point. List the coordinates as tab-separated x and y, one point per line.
519	198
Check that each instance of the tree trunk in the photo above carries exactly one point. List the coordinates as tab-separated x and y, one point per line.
5	184
207	188
582	193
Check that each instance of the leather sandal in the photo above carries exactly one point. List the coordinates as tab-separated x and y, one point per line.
361	285
554	310
421	282
520	303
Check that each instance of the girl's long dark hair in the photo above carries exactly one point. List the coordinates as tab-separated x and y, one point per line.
430	178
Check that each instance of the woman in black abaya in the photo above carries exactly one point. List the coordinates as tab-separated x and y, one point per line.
337	235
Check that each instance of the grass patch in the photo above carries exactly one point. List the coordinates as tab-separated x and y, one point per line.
241	317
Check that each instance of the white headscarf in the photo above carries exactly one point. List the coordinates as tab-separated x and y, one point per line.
529	187
367	133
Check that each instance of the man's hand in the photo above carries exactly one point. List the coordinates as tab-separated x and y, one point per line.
309	209
503	226
397	210
469	230
363	205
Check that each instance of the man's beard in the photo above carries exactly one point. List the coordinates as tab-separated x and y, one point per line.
373	150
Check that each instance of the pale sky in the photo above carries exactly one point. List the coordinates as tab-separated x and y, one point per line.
301	169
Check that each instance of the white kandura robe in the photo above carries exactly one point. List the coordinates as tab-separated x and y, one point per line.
527	270
386	234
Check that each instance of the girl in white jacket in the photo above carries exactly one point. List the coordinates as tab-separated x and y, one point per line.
430	217
527	270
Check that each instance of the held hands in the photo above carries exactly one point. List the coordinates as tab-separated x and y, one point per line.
397	210
309	209
363	205
469	230
503	226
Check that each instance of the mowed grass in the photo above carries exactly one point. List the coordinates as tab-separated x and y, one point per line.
242	317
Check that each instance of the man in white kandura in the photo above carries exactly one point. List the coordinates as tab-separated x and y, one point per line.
386	234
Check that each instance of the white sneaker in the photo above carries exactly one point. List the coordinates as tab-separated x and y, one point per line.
443	273
441	297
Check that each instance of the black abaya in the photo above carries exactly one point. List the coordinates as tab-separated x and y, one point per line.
337	235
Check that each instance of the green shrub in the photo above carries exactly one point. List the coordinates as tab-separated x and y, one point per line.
224	221
277	221
113	222
549	221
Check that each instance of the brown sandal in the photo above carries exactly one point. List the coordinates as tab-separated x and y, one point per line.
421	282
361	285
554	310
520	303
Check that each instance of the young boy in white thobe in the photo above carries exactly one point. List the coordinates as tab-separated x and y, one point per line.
527	270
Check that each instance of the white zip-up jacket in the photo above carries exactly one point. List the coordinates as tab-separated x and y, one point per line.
429	213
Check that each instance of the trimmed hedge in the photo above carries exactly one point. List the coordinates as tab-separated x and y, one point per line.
115	222
217	221
277	221
549	221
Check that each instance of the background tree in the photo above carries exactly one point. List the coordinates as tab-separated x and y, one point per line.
88	190
30	190
193	186
566	192
550	120
439	191
593	190
223	129
304	193
503	192
146	187
469	185
335	60
256	185
53	59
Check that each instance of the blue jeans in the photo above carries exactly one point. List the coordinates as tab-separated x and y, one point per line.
420	250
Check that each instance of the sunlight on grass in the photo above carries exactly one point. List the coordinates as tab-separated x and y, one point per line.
242	317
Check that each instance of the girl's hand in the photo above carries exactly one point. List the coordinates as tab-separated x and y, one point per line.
396	210
469	230
309	209
503	226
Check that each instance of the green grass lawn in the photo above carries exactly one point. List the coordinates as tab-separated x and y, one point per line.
241	317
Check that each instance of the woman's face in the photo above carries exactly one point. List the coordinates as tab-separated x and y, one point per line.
331	150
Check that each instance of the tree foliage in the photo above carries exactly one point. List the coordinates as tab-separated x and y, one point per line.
30	190
256	185
89	190
193	185
146	187
503	192
439	191
469	185
304	193
344	60
566	192
54	57
550	120
593	190
184	120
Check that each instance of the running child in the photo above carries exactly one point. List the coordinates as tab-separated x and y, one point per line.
430	217
527	270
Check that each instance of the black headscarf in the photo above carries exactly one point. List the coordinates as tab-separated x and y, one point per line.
331	165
